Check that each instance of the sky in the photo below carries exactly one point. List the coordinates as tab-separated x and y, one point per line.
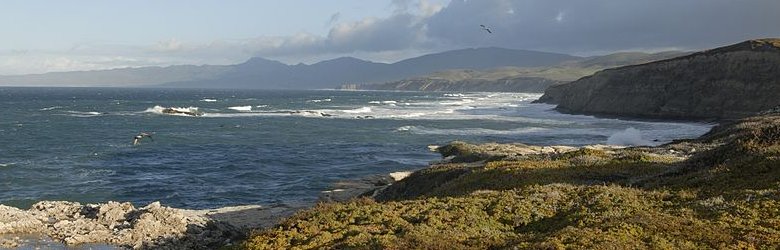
50	35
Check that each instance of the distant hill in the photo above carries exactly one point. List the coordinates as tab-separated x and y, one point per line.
728	82
516	79
269	74
122	77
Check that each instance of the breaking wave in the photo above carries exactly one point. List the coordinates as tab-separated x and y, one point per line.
50	108
241	108
358	110
83	113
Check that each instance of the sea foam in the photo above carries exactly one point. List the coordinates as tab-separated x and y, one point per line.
628	137
241	108
358	110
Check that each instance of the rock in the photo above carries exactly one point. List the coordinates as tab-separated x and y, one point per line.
175	111
153	226
724	83
397	176
10	243
459	151
14	220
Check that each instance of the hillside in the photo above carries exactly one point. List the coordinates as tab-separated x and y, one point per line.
123	77
719	191
723	83
515	79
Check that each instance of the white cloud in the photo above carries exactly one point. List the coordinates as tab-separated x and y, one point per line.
169	45
420	26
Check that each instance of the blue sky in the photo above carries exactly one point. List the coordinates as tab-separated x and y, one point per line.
39	24
53	35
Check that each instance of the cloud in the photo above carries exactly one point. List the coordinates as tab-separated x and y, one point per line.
604	25
422	26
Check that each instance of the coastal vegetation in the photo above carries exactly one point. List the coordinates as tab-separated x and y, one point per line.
718	191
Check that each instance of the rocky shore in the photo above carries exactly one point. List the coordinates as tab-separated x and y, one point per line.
116	224
62	224
723	186
716	191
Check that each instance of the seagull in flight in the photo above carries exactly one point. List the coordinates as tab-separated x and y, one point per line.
137	138
485	28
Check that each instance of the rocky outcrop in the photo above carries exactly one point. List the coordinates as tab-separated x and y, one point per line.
729	82
458	151
120	224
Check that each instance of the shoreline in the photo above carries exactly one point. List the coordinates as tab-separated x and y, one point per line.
502	195
119	225
62	224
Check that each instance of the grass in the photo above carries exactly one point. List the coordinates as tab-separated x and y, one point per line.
727	195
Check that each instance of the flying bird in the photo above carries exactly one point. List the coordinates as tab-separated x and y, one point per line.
137	138
486	28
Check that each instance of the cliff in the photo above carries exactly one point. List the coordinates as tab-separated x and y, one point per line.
723	83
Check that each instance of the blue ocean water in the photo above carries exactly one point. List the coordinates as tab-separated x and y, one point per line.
260	146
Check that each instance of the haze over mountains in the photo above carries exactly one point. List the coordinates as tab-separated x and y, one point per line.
516	79
263	73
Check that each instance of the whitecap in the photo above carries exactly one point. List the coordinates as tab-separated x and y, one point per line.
320	100
390	103
469	131
404	128
241	108
358	110
50	108
208	100
83	113
458	103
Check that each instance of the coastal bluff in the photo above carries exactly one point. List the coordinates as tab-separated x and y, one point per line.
724	83
719	191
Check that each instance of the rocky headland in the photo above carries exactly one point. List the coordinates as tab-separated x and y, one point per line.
724	83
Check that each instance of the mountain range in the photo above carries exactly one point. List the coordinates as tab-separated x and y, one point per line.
268	74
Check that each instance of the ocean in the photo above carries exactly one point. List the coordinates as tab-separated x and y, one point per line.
260	146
